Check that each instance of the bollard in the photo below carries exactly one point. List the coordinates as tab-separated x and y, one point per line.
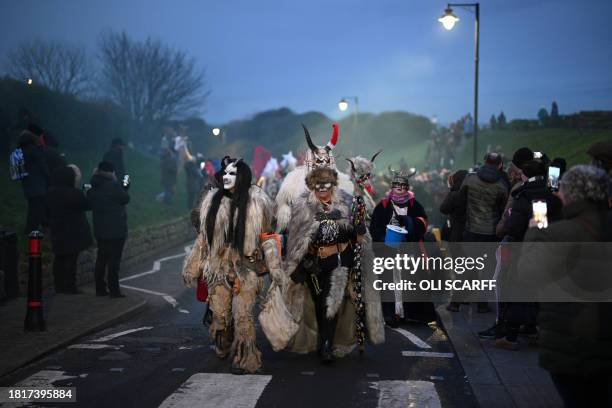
35	320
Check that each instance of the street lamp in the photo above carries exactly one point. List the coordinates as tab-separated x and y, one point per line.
29	81
218	131
448	20
343	106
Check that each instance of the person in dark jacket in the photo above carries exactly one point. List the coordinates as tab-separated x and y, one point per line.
575	338
53	157
533	188
115	157
400	208
193	177
108	199
70	233
484	193
454	207
169	167
36	183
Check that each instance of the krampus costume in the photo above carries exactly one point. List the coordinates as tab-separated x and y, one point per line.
293	186
322	293
231	251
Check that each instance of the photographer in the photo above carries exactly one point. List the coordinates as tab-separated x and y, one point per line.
108	198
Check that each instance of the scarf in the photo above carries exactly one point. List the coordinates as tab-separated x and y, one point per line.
400	198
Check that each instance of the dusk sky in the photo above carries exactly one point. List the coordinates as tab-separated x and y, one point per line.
392	54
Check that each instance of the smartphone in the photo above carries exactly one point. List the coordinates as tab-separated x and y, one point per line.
539	213
537	155
553	177
126	180
86	187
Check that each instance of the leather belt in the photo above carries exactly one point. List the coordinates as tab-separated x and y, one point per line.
328	250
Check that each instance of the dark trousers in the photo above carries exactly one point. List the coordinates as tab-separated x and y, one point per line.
578	391
473	237
64	272
108	259
36	214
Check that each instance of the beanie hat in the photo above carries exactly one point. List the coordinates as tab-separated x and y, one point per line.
521	156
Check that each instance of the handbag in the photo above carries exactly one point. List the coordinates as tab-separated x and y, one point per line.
202	290
276	320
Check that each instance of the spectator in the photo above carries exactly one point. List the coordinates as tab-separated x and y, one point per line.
53	157
114	156
454	207
484	194
515	178
575	338
533	188
193	177
168	165
35	184
70	233
601	155
108	198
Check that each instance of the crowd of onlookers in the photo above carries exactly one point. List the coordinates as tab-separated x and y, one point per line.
491	205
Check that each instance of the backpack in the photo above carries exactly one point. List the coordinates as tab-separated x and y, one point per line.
17	165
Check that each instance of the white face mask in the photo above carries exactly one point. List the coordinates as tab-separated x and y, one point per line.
229	178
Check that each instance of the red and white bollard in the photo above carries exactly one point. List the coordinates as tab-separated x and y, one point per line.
35	320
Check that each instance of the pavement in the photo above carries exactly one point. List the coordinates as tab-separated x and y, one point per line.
67	318
499	378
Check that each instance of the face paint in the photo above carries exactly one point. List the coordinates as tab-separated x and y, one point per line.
323	187
229	178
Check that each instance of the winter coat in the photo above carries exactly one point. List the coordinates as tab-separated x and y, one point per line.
115	157
54	158
454	207
193	177
65	207
484	193
36	183
575	338
500	230
518	220
415	221
108	199
168	164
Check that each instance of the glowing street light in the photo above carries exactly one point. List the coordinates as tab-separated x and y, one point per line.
343	105
29	81
448	19
216	131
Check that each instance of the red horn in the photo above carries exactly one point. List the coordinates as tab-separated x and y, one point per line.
334	139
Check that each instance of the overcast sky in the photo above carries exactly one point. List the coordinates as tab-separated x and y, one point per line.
392	54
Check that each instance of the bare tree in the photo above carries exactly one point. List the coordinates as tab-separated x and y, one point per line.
59	67
149	79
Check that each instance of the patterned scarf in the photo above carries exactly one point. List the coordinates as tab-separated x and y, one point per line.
400	198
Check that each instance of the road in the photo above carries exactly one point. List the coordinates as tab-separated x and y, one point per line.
163	357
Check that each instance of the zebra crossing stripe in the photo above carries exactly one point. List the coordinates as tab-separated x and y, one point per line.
396	394
218	391
413	338
427	354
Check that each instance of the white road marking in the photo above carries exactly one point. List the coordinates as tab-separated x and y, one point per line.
396	394
426	354
117	370
164	296
219	391
87	346
413	338
44	378
123	333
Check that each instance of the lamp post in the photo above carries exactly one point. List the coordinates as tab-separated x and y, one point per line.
448	20
343	106
218	131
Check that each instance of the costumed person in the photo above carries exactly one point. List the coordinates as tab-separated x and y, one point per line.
323	292
293	185
232	251
361	170
402	213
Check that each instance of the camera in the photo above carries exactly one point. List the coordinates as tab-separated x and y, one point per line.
126	181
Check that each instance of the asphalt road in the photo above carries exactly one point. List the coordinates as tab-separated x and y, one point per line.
163	357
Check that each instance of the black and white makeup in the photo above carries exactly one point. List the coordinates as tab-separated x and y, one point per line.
229	177
323	187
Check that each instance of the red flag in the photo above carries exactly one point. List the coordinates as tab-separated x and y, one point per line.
261	155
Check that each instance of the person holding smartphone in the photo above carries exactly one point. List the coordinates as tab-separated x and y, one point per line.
108	198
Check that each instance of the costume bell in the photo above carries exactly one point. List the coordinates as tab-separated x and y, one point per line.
232	251
320	259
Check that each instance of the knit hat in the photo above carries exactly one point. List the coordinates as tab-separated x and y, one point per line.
521	156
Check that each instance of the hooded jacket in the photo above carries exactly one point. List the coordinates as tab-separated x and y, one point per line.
454	207
484	194
35	184
108	200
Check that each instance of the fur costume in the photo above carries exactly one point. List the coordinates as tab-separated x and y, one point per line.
233	278
360	171
302	230
293	185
